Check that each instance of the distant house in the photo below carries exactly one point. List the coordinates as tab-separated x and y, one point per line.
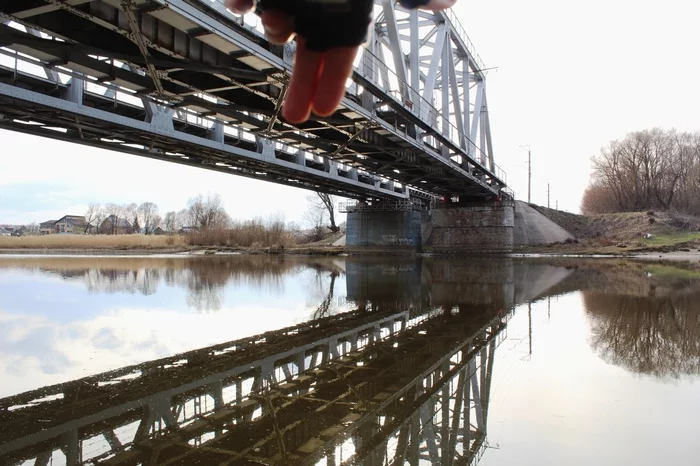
72	224
159	231
48	227
187	230
13	230
114	225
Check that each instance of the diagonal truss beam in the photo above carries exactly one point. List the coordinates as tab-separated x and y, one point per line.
137	38
191	49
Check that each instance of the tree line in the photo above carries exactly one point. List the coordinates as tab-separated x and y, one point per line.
652	169
201	212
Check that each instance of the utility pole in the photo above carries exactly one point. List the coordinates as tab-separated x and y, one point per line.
529	170
548	195
529	173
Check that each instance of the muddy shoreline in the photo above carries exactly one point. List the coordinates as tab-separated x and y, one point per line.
692	257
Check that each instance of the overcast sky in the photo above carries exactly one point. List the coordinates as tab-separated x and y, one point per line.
570	78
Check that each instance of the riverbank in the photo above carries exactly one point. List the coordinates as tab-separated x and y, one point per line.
680	255
630	235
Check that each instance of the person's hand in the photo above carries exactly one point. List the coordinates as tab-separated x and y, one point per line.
318	78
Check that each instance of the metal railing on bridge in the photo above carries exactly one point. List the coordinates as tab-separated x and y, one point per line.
406	124
384	206
375	70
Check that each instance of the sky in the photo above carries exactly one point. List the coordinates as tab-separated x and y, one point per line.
88	326
570	78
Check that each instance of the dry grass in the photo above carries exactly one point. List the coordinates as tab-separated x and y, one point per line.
92	242
627	226
577	225
251	234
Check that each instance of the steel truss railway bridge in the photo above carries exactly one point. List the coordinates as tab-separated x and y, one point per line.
355	388
187	81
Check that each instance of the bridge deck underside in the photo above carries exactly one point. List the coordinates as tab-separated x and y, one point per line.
195	50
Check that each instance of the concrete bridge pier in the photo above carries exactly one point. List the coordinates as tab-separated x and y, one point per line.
384	225
482	226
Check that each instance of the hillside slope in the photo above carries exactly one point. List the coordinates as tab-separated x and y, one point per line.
632	230
532	228
577	225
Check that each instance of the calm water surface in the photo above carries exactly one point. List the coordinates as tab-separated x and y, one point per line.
256	360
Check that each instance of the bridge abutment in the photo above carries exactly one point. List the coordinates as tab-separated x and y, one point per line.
485	227
383	229
478	227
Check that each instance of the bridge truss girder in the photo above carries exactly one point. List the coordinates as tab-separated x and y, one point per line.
367	385
190	66
128	405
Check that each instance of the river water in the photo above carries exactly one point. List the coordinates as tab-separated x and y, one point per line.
245	360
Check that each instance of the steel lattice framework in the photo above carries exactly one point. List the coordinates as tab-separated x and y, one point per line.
362	387
189	82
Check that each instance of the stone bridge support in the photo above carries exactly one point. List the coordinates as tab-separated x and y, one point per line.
477	227
485	227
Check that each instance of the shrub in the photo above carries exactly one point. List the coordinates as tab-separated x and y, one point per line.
683	220
252	233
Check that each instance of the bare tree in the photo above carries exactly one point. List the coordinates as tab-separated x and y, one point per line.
328	203
183	219
650	169
597	199
31	229
653	334
207	212
148	216
171	222
314	218
93	216
157	221
131	211
113	213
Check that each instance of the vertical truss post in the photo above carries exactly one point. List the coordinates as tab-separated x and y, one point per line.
441	58
414	63
395	44
75	90
466	87
445	87
456	104
482	128
476	117
445	416
429	88
489	144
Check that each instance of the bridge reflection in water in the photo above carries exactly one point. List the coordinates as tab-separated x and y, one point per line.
404	377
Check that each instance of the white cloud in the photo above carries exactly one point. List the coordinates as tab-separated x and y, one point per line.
36	351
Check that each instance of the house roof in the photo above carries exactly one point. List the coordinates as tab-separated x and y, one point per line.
119	223
73	219
48	222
